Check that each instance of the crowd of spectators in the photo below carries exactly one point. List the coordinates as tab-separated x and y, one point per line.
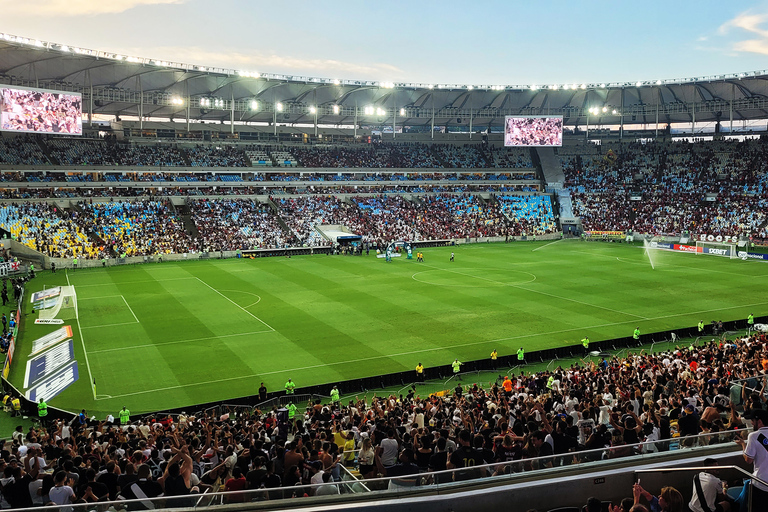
141	228
42	227
25	150
617	407
231	224
702	187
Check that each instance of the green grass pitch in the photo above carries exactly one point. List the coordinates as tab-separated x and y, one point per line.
166	335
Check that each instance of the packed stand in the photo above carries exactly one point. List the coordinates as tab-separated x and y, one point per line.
45	228
216	156
21	151
142	228
232	224
529	214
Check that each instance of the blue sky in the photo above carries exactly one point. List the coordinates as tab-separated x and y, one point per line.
480	42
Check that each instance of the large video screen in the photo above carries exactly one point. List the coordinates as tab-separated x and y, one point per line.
40	111
533	131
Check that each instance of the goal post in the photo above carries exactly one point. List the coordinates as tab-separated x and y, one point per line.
724	249
65	306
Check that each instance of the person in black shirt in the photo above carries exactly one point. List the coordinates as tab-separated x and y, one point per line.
465	457
262	393
91	490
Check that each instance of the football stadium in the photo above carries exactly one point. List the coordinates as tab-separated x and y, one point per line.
240	290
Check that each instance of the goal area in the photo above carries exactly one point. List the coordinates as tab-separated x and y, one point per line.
65	307
724	249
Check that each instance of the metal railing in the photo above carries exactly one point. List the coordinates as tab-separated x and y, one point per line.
745	474
434	482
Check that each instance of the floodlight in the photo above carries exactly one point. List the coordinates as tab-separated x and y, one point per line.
534	87
64	48
254	105
335	109
177	101
380	111
638	84
583	86
430	86
605	109
336	81
279	106
402	112
368	110
602	86
469	87
312	110
658	82
614	112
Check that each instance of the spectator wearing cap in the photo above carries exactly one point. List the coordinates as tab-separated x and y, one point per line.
688	423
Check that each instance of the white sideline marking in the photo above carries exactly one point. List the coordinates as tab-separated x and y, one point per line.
142	281
235	303
131	310
288	370
82	342
109	325
550	243
102	297
151	345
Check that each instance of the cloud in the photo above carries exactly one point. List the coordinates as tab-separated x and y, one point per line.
268	63
753	24
68	8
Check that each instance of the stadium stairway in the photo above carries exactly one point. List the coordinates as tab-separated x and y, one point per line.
185	214
185	156
74	206
439	158
276	212
47	152
551	167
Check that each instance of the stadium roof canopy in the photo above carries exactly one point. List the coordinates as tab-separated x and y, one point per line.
121	85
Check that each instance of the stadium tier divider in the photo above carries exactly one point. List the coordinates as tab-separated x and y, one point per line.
503	365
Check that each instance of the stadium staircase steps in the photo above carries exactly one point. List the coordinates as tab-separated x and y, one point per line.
92	235
185	214
439	158
551	168
185	156
280	220
487	159
47	152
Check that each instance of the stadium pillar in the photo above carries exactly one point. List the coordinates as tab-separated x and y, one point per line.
432	132
355	134
621	116
658	93
141	104
470	119
733	91
186	87
90	97
232	111
394	114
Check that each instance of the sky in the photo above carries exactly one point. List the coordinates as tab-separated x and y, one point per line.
463	42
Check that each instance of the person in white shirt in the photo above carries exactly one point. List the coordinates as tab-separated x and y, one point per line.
756	452
708	491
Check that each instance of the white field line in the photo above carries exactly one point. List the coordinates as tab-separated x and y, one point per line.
550	243
142	281
236	304
131	310
154	345
85	352
373	358
545	293
109	325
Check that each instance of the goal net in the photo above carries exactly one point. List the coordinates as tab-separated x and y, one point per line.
65	306
725	249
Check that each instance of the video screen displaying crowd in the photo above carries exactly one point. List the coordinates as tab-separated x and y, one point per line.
39	111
